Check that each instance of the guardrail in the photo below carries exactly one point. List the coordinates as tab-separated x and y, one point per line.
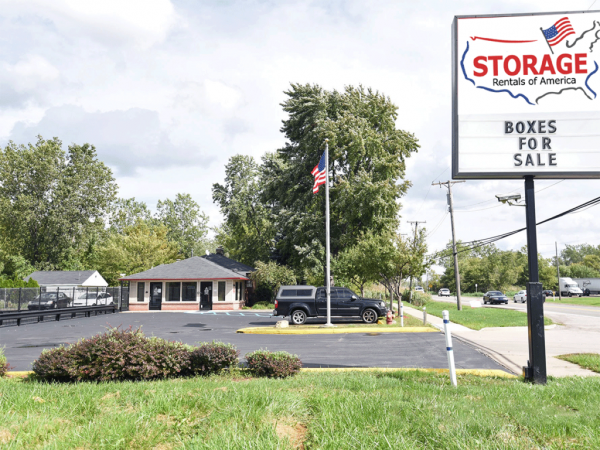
56	313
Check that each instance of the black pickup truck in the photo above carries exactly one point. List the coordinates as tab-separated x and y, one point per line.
301	302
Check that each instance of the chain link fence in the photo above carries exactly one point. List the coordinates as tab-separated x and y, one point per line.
46	300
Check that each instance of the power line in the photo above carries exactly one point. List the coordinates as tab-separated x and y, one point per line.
437	225
493	200
470	245
426	195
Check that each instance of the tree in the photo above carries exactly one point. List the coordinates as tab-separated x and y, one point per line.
187	225
367	164
574	254
127	212
138	248
358	265
269	277
248	232
401	257
51	200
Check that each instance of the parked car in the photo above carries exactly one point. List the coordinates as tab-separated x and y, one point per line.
495	297
419	289
444	292
301	302
520	296
49	300
93	299
586	292
548	293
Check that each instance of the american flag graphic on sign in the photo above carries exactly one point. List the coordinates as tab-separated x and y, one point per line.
557	32
320	174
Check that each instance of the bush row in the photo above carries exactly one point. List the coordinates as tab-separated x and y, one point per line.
130	355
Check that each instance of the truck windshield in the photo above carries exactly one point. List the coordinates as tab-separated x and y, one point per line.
572	285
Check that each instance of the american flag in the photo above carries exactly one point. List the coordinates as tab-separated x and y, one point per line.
320	173
557	32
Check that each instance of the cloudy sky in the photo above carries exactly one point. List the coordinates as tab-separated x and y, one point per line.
168	91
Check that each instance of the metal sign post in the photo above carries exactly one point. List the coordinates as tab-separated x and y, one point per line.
536	369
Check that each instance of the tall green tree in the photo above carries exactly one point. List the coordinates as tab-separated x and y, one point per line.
127	212
136	249
367	155
187	225
52	200
247	232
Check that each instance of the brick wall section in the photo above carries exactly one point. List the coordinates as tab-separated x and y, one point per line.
138	306
178	306
225	306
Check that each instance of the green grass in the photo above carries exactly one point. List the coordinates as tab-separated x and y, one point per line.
478	318
585	301
398	410
589	361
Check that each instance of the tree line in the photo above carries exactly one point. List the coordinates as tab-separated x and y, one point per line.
59	209
494	269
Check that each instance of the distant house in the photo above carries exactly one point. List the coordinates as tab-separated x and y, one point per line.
64	279
211	282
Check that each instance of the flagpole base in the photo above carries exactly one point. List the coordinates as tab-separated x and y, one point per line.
327	325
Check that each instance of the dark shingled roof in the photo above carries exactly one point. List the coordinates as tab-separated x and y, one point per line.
75	277
229	263
192	268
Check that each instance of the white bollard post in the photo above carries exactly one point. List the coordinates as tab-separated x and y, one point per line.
449	349
401	313
424	316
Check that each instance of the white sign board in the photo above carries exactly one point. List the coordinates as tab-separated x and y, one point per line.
526	96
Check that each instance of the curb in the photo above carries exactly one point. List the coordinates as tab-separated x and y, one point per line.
476	372
270	330
18	374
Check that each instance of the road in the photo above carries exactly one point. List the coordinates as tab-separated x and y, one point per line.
427	350
549	306
577	331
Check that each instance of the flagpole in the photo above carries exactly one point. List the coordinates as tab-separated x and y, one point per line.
328	277
547	41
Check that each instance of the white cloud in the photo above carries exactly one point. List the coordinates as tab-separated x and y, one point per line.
169	91
143	22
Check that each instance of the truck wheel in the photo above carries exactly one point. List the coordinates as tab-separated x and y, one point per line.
298	317
369	316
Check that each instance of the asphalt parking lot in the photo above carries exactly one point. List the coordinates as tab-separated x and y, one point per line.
22	345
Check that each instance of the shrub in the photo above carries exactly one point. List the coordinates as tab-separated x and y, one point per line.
114	355
3	363
213	357
273	364
418	298
53	365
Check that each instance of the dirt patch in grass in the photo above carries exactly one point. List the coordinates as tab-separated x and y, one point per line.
112	395
293	431
5	436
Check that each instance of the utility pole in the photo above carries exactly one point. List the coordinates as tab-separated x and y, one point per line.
416	222
557	272
449	184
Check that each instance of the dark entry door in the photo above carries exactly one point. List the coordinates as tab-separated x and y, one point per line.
155	295
206	295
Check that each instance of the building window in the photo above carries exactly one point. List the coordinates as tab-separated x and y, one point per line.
189	291
237	290
221	291
141	286
173	291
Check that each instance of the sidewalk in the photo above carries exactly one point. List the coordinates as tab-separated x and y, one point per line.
509	346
